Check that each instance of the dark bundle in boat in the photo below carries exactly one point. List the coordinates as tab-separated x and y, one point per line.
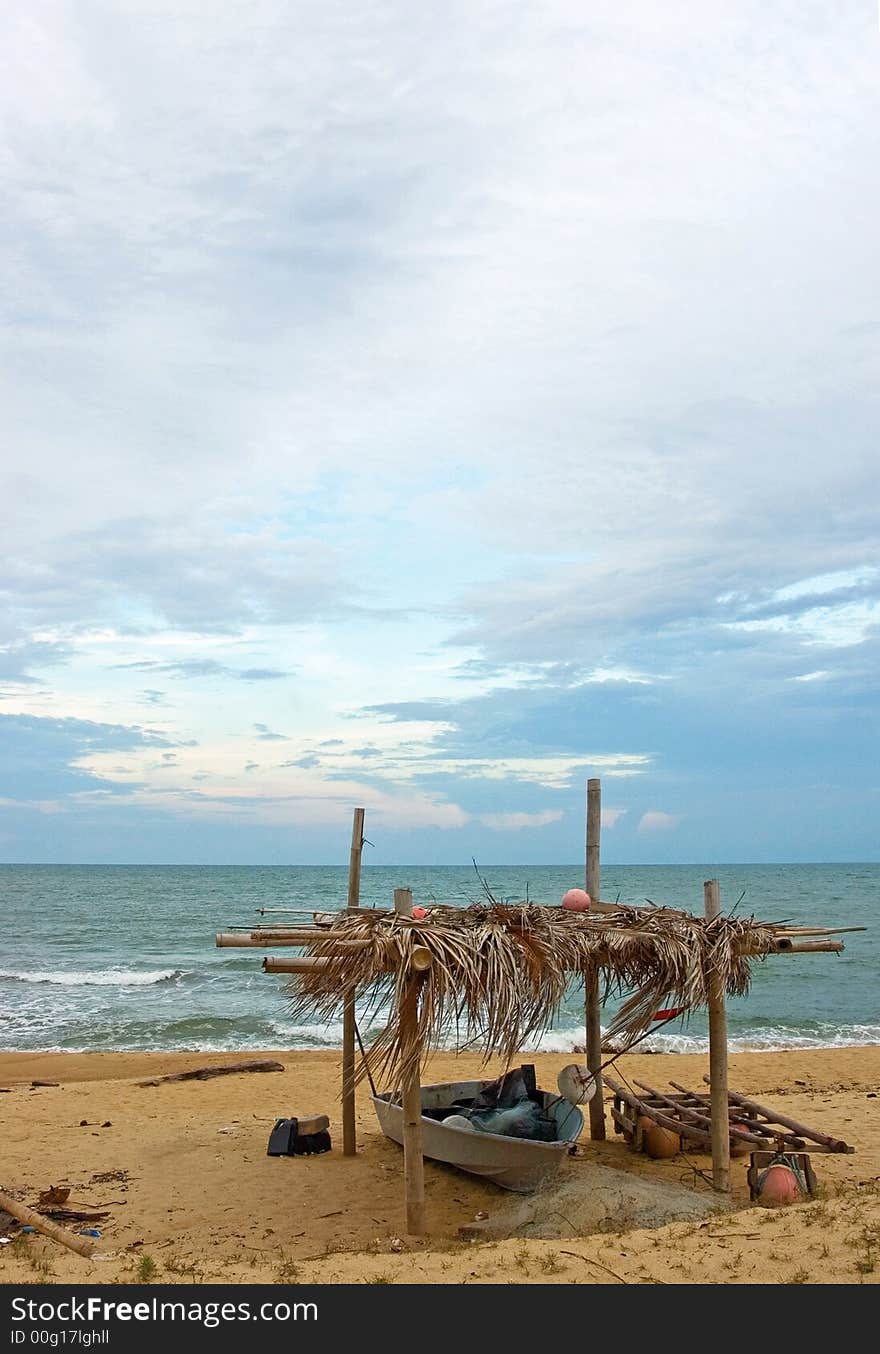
511	1106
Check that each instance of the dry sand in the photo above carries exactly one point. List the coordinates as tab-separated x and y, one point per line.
193	1197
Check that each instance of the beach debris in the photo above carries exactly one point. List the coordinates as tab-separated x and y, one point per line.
88	1231
82	1245
481	1216
44	1083
53	1197
105	1177
225	1070
396	1245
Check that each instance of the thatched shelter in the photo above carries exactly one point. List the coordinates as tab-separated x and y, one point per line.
499	973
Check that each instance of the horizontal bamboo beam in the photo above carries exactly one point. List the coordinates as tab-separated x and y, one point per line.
420	960
785	946
308	935
232	940
306	964
817	930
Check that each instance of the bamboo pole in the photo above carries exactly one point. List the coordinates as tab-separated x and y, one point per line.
403	902
717	1056
785	946
349	1133
226	940
303	964
83	1245
413	1160
591	974
832	1144
703	1120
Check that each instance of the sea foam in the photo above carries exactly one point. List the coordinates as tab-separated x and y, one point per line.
111	977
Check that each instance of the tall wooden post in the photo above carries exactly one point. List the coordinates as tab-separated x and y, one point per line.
413	1161
718	1057
349	1133
591	976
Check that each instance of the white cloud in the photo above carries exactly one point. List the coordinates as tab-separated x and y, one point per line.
515	822
656	821
611	817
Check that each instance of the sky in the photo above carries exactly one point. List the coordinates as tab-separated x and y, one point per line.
429	408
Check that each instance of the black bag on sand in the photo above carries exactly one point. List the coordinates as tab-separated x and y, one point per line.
310	1144
282	1138
285	1140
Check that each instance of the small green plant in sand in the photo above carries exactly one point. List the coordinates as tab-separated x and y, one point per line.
550	1263
378	1278
175	1265
521	1257
287	1271
146	1269
800	1276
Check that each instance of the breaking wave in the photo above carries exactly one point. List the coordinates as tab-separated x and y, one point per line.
111	977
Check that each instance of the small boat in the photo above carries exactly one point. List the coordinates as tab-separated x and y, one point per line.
518	1164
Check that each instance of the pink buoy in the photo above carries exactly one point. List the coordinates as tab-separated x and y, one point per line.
419	913
577	900
779	1186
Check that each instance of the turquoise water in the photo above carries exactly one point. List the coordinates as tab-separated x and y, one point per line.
123	957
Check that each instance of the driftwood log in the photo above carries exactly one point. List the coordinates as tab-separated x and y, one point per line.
83	1245
205	1073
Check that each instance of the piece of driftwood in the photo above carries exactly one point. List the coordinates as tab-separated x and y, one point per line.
204	1073
829	1143
45	1083
28	1218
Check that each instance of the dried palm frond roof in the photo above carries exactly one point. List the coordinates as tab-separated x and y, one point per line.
500	972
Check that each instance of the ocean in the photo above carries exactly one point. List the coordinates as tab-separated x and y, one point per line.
123	957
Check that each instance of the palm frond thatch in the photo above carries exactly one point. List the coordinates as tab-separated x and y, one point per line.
500	972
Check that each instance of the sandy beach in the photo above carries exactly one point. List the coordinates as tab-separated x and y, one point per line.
182	1171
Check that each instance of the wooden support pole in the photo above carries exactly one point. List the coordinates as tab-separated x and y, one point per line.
83	1245
413	1160
403	902
349	1135
717	1056
591	975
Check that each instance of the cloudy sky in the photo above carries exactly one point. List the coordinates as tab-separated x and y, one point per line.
428	408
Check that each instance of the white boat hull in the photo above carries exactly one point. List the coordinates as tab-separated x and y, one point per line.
518	1164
